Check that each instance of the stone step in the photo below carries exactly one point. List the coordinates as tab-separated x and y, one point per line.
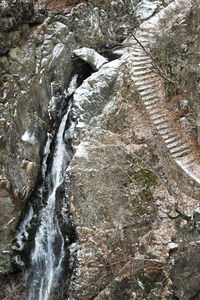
151	105
141	58
158	118
146	87
144	67
178	150
138	51
145	37
160	121
144	72
140	43
149	29
144	84
142	62
153	100
137	48
163	128
148	97
175	145
141	38
142	34
165	131
143	78
169	136
148	84
138	54
155	112
181	153
172	139
148	92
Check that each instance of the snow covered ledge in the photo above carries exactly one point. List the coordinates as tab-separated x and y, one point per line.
94	59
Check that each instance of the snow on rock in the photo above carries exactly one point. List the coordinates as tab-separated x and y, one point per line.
178	12
58	56
91	57
81	150
172	246
146	9
28	137
196	210
90	97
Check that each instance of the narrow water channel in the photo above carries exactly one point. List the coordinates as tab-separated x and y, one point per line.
48	253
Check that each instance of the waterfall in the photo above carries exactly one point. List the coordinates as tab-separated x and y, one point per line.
48	253
46	259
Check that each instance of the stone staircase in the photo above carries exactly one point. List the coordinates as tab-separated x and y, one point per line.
184	158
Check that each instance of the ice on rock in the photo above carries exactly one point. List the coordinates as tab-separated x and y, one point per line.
22	233
91	57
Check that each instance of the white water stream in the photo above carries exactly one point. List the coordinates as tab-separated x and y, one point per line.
47	261
49	252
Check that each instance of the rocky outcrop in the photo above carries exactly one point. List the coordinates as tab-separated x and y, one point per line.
111	182
132	219
91	57
33	77
15	19
102	269
185	270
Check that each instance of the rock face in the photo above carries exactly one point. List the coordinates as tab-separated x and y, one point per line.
33	77
15	19
135	232
91	57
110	180
180	59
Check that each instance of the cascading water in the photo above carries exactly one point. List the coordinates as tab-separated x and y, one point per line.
49	250
45	259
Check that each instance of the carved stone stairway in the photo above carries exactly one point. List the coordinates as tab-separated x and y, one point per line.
184	161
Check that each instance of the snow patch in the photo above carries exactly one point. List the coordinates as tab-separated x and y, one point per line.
28	137
93	85
172	246
57	50
81	150
91	57
72	85
145	9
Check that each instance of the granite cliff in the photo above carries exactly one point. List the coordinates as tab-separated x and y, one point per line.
131	190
